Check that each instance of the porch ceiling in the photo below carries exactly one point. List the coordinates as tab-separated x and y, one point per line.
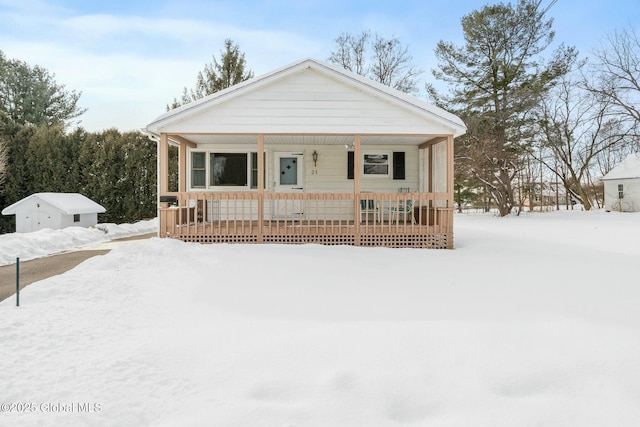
311	139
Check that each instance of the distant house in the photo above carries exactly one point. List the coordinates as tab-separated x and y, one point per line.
54	210
622	186
543	196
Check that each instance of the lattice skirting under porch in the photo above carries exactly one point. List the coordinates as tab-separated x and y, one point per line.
430	241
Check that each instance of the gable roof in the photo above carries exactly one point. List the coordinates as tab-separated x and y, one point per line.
628	169
68	203
362	84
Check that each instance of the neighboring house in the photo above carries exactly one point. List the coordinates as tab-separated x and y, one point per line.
545	196
53	210
622	186
309	153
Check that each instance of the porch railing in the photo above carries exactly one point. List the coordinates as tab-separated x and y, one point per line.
370	219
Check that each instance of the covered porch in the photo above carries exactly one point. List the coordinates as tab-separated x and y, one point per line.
309	153
403	201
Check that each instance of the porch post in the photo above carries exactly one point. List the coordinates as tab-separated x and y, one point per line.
163	166
357	160
182	178
430	166
260	187
450	175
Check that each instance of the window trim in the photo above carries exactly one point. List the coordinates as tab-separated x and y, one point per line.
389	164
192	170
394	160
207	168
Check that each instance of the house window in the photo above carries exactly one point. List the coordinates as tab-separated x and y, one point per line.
620	191
224	169
76	217
228	169
376	164
198	170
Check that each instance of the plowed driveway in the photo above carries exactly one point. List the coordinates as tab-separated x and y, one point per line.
42	268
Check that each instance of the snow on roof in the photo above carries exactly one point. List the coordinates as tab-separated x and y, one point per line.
69	203
629	168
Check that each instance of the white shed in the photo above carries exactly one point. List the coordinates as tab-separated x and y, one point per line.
54	210
622	186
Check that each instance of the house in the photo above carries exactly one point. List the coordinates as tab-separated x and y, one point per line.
53	210
309	153
543	195
622	186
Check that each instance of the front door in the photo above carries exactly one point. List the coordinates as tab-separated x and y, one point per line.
289	178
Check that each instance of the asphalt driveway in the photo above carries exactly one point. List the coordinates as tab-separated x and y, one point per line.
43	268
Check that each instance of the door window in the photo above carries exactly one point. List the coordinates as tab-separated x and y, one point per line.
288	171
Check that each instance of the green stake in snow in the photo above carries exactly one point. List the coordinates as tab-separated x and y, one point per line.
17	282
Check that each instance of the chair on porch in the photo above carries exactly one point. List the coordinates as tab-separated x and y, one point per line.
402	208
368	206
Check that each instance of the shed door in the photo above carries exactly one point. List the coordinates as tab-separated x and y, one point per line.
40	220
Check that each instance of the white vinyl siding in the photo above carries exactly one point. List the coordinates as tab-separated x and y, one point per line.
631	192
330	174
308	102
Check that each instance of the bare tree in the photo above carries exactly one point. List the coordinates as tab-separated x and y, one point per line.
617	74
576	129
350	50
386	61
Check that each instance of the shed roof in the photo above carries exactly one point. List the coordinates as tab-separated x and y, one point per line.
167	121
628	169
68	203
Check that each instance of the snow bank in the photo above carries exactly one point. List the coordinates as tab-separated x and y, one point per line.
523	324
41	243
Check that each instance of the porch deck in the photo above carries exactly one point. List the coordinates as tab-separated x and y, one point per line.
419	220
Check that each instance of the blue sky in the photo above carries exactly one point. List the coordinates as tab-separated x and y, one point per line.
131	58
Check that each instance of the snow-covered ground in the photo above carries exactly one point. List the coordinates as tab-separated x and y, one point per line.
27	246
530	321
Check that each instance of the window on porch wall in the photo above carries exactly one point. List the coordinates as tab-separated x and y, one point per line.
228	169
378	164
224	170
198	170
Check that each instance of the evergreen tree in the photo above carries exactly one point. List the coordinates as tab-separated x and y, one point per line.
230	70
498	76
52	161
31	96
17	183
119	172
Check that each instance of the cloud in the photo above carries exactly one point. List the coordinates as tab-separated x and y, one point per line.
120	62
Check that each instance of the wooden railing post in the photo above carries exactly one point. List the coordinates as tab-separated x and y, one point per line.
261	188
357	168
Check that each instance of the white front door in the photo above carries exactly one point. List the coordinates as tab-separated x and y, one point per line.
289	178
